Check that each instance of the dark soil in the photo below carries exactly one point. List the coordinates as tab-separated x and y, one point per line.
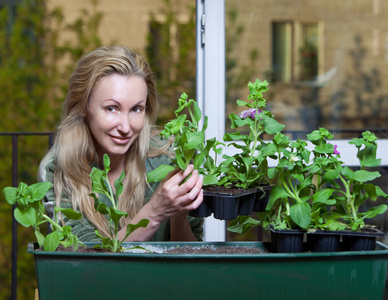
222	189
220	250
179	250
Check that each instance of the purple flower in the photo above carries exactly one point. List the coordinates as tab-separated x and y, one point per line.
249	113
335	150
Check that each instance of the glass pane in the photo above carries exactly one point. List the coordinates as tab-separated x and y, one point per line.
326	62
171	54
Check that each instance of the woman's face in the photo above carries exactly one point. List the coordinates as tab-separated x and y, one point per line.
116	112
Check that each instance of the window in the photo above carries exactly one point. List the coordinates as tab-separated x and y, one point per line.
171	54
295	51
341	88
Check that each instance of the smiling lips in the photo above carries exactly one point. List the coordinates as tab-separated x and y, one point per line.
120	140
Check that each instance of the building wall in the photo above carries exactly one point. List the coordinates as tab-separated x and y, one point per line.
353	64
354	61
124	22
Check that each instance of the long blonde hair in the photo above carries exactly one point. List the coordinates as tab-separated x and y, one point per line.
74	148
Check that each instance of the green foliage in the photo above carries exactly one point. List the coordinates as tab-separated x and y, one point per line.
171	53
249	167
189	140
246	169
101	185
35	63
318	192
30	212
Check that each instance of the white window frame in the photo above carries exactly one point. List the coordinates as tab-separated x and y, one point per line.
211	93
211	83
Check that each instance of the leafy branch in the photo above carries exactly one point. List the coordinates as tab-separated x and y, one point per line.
30	211
101	185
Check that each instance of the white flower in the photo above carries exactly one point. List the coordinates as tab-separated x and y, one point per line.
294	158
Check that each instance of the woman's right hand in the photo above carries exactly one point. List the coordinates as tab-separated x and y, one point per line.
174	197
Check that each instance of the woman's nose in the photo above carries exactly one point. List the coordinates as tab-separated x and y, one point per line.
124	125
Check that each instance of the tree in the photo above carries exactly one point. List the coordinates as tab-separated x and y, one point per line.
35	64
171	53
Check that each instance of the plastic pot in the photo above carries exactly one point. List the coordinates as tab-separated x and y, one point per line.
307	275
227	206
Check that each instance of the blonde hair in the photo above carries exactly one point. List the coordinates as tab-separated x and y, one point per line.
74	148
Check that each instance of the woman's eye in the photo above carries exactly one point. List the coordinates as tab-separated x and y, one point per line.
111	108
138	109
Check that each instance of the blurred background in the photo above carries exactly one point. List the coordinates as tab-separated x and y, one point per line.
326	62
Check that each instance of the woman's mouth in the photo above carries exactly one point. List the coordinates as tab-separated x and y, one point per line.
120	140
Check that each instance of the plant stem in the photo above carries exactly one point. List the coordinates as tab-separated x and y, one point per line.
57	227
349	198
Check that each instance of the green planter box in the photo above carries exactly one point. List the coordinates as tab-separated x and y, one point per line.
333	275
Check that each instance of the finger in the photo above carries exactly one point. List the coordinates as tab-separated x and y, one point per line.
188	170
196	202
196	188
172	173
178	177
190	182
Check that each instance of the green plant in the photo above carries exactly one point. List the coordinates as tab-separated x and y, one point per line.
30	211
100	184
319	192
358	186
189	144
247	168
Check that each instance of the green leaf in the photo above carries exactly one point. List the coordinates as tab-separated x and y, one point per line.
196	112
325	148
277	192
106	242
39	237
106	163
271	126
371	190
25	216
210	179
132	227
301	214
101	208
98	183
119	184
181	160
271	173
194	139
374	211
51	242
242	224
380	192
243	103
39	190
372	163
116	215
68	212
347	172
233	136
332	174
199	160
323	195
364	176
10	194
159	173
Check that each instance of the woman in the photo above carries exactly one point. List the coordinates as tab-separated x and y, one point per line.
109	108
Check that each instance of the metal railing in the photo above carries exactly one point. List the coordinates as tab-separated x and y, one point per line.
15	182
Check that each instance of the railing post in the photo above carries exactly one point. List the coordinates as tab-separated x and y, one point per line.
14	223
